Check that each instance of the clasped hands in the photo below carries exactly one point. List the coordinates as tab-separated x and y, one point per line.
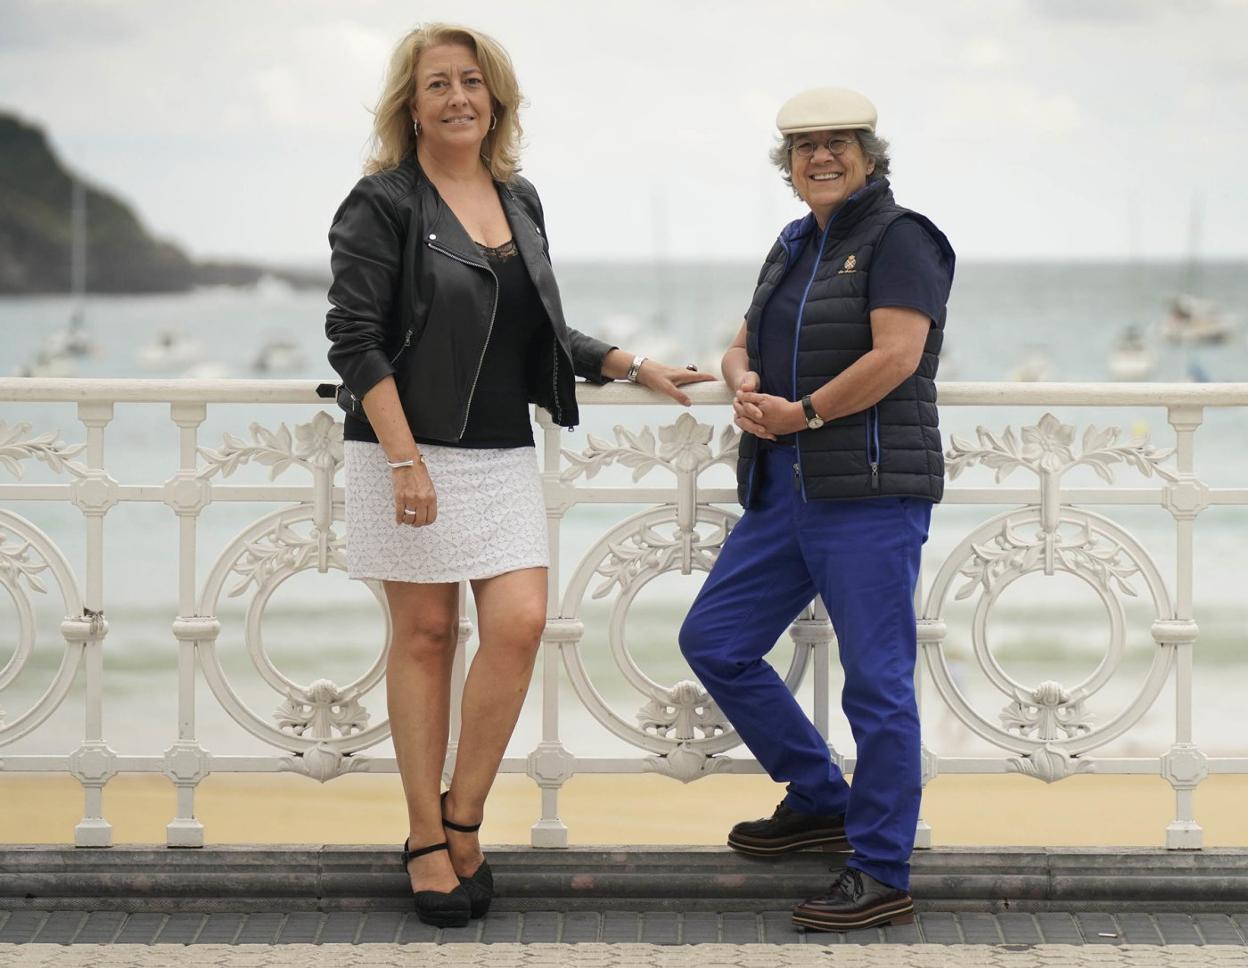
763	414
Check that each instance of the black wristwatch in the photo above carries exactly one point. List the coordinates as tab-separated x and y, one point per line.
813	420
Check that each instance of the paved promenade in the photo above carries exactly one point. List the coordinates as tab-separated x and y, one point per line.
620	956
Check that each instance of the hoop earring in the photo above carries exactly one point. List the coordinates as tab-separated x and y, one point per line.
493	121
416	128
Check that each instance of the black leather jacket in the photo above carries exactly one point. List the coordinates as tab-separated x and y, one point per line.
413	297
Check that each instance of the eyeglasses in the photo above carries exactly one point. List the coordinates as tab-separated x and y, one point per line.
836	146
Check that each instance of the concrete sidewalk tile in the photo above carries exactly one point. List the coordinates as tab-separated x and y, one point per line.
1058	927
301	927
818	938
470	933
1241	921
778	928
620	927
380	927
581	927
1098	928
101	927
979	928
415	931
1139	929
902	933
939	927
340	927
1018	927
21	927
699	927
1177	929
180	929
500	927
60	927
659	927
740	927
539	927
1218	929
140	929
220	929
260	929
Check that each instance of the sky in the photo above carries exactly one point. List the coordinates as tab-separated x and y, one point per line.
1055	129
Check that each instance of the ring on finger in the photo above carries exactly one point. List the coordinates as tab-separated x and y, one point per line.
411	511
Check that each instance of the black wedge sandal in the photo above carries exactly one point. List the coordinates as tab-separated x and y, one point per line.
442	909
480	886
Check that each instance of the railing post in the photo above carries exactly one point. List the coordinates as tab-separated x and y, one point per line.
1184	765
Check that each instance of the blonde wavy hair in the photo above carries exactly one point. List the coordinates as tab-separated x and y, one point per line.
393	138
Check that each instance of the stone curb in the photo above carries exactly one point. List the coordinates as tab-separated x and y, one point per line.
337	877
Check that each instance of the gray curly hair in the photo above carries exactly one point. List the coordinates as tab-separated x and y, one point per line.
874	148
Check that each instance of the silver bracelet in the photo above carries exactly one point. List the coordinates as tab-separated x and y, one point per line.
394	465
631	375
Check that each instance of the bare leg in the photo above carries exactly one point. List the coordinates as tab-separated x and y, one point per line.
418	689
511	614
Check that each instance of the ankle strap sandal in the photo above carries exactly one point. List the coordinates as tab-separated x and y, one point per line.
461	828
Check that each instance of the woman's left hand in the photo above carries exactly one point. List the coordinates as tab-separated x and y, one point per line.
669	379
774	414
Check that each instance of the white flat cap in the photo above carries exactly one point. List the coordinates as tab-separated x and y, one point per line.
826	108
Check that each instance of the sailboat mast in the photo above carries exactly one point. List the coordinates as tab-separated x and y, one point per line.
78	249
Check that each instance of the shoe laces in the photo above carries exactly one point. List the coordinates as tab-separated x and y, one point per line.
848	883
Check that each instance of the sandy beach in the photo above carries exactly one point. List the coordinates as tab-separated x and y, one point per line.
363	809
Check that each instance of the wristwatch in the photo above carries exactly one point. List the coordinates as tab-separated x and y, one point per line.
813	420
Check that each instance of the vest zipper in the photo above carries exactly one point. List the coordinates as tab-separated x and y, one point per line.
488	333
797	333
873	446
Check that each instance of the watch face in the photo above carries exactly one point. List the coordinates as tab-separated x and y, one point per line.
814	423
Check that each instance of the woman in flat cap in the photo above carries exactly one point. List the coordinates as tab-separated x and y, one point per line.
839	466
446	324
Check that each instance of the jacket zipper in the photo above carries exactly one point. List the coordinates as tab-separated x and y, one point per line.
797	332
489	331
873	446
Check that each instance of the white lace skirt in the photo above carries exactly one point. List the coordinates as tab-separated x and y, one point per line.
491	516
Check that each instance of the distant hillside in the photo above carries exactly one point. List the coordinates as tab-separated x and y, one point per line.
122	256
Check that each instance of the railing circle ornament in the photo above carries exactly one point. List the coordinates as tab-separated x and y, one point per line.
320	715
679	722
1046	722
28	560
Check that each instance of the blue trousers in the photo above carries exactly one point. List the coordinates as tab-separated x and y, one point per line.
862	558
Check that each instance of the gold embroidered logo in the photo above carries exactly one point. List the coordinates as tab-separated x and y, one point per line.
850	265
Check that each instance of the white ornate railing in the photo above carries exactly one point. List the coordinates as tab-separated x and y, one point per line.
322	729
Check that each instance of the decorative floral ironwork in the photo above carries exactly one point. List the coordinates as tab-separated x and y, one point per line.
1049	763
647	550
682	446
323	763
317	442
16	446
1087	553
681	710
279	548
319	710
1047	712
687	764
17	563
1046	447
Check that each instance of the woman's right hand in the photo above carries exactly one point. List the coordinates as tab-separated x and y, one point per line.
747	416
415	501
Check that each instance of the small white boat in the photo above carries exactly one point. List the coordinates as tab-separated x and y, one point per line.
48	365
170	348
1132	358
1195	321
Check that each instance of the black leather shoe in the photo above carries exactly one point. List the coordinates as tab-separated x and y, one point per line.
480	886
787	830
856	900
442	909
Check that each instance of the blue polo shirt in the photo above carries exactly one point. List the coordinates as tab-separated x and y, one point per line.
908	270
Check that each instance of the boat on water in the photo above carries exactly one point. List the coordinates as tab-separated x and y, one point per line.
1035	367
170	348
1132	358
1195	320
279	354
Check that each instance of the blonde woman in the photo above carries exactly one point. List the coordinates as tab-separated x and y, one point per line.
446	324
